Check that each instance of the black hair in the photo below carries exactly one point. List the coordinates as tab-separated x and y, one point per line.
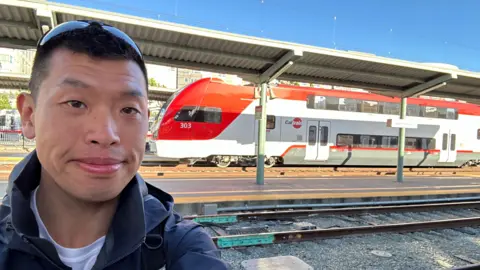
93	41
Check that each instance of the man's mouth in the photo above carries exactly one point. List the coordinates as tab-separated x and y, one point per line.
100	165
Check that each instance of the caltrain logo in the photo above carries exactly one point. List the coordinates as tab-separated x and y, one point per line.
296	122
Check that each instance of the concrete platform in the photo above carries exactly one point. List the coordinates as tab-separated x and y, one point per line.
191	195
194	196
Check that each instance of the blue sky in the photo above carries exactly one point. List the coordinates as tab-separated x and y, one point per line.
444	31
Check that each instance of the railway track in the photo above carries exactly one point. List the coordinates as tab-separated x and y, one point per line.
204	172
274	227
212	172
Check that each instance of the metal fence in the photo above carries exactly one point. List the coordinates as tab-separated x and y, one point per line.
15	138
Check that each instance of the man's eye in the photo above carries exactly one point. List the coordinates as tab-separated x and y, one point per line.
76	104
130	110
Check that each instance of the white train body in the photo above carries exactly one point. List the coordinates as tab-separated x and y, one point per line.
215	121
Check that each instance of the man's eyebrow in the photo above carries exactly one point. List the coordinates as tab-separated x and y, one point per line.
74	83
130	92
133	92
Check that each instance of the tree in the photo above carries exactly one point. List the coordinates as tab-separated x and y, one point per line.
152	82
5	102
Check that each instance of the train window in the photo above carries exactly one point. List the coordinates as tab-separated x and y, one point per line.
270	121
364	141
431	143
2	120
316	102
344	140
431	112
323	136
447	113
186	114
209	115
312	135
453	139
389	141
391	108
478	134
422	143
413	110
332	103
452	114
199	114
412	143
369	106
445	141
347	104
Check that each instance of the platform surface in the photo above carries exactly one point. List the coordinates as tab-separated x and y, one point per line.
245	189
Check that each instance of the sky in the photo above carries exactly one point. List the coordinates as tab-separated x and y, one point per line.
440	31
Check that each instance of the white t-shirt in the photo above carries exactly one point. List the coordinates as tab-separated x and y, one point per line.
77	258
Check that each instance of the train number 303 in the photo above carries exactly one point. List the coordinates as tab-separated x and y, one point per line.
185	125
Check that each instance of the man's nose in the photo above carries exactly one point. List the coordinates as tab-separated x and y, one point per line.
102	129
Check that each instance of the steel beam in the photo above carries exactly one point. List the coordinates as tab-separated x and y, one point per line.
242	72
17	43
12	23
359	72
279	65
428	86
45	19
365	86
188	49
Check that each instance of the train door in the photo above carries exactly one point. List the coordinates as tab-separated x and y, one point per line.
324	135
448	151
317	140
311	151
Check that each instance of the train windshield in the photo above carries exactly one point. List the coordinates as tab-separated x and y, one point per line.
165	105
163	109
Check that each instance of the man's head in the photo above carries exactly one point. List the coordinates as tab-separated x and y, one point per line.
88	110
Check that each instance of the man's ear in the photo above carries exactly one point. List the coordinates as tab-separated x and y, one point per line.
26	108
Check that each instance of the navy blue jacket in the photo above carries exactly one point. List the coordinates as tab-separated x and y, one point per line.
145	231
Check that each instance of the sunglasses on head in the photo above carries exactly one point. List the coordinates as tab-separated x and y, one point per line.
80	24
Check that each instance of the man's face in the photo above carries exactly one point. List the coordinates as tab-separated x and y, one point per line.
90	121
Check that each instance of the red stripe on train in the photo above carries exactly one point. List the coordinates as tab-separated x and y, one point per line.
343	148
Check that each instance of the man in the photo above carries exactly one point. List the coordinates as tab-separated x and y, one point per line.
77	202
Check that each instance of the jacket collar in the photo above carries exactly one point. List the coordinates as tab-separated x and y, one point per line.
128	229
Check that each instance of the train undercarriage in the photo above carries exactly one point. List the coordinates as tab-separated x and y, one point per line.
223	161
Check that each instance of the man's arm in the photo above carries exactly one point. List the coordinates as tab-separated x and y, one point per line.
195	250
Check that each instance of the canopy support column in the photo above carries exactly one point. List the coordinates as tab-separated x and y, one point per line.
262	135
401	141
414	92
273	72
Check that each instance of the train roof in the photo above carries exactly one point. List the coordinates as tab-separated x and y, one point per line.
301	93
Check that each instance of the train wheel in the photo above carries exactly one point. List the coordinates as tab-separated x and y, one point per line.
269	162
223	161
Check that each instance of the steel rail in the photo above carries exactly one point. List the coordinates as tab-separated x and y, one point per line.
232	218
308	235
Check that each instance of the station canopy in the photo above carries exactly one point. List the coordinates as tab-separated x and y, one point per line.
254	59
20	82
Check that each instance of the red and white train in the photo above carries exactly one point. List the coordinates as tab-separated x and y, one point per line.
214	121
